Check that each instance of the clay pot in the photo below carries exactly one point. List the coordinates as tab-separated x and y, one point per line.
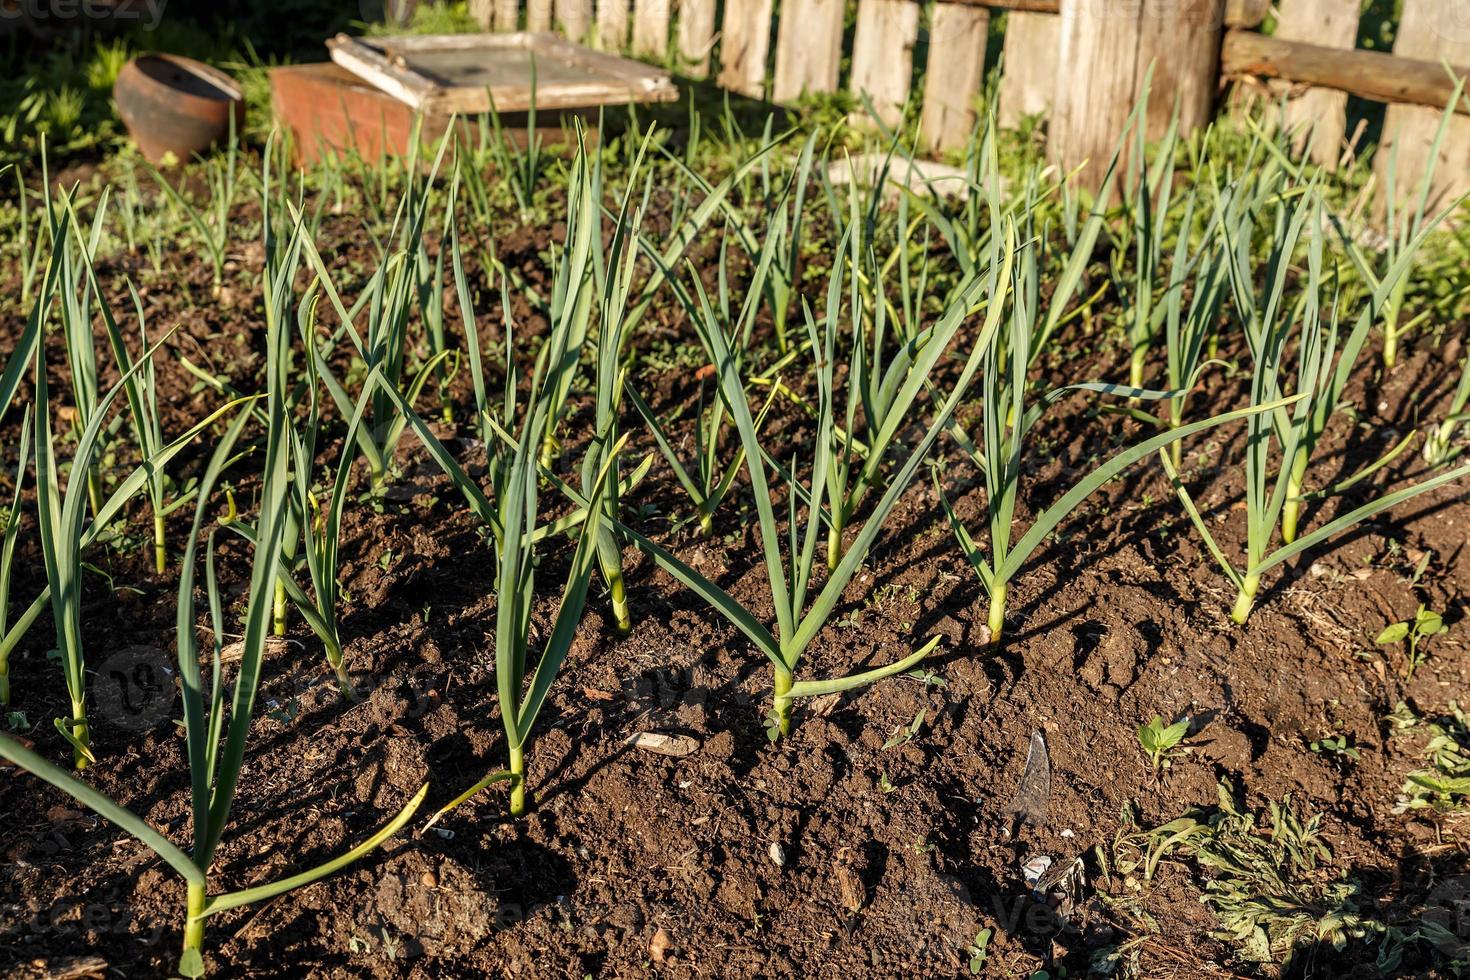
176	105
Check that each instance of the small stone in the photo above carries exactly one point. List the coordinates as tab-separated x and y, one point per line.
660	947
777	854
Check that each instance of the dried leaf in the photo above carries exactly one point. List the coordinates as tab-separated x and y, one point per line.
64	815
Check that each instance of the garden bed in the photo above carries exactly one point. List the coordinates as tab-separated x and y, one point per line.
876	839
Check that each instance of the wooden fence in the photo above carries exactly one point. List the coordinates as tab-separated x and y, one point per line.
1082	62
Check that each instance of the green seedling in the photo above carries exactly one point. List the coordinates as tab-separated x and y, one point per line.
1444	785
1272	886
1010	423
906	733
979	951
1161	742
1426	623
1275	328
1336	747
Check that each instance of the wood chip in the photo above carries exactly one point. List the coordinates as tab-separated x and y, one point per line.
676	746
847	869
233	652
593	694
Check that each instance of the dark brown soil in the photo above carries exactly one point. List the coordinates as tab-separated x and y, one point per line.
827	854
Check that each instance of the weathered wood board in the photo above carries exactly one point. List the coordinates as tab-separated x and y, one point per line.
954	74
744	46
651	28
883	57
696	36
470	73
808	48
1030	70
1431	30
1318	116
1117	45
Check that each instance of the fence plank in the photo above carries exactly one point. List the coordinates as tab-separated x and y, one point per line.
483	13
1317	115
1238	13
1430	30
1181	40
1101	46
507	15
1029	68
574	17
1113	44
612	25
809	48
954	75
883	56
696	35
745	43
538	15
651	27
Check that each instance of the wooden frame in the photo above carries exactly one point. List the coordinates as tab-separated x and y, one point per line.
569	76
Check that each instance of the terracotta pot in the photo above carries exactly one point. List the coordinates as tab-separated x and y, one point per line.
175	105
